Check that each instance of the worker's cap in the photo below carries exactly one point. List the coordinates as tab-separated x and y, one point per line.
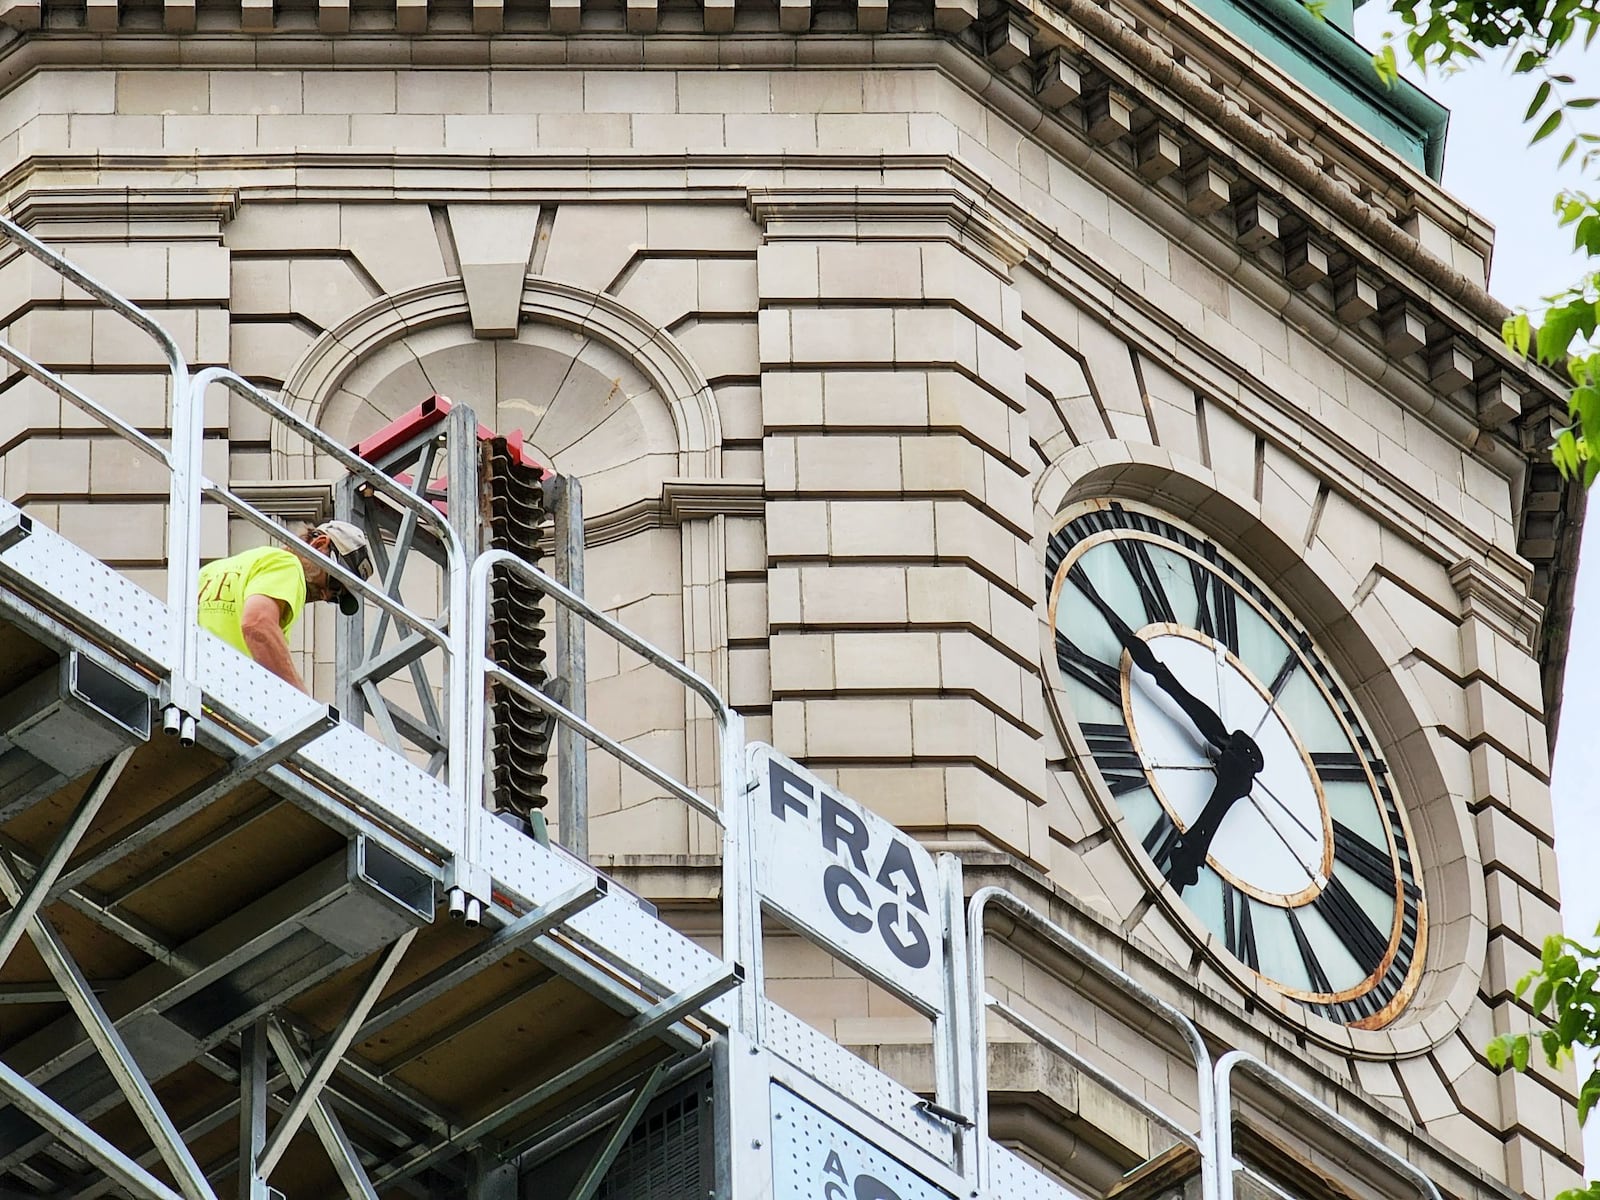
350	548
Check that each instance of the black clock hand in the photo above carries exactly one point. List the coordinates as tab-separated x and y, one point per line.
1207	722
1236	772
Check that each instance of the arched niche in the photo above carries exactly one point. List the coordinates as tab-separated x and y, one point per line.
602	395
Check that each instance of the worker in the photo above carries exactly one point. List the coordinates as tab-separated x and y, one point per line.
252	600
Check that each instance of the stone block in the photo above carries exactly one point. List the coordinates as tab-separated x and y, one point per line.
1057	82
255	92
886	661
1355	296
162	93
349	92
852	596
856	728
802	662
869	270
881	529
1107	115
1158	153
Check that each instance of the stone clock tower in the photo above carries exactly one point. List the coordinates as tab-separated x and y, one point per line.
1077	430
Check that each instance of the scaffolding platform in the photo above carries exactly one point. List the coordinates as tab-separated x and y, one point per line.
270	870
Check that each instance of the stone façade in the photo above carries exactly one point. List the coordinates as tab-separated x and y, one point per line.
846	304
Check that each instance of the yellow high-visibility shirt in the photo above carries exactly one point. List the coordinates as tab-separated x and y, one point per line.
265	571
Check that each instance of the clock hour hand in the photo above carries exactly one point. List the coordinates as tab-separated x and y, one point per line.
1236	773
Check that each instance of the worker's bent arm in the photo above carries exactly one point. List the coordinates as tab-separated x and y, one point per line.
263	635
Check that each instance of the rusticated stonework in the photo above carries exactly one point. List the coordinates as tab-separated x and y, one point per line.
835	310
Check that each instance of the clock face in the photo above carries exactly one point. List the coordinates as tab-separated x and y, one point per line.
1238	762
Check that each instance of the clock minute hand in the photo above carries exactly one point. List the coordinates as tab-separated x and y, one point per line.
1206	721
1236	773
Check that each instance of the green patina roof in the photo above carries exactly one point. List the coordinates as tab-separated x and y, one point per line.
1320	53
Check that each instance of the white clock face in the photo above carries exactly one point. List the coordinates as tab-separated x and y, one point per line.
1237	762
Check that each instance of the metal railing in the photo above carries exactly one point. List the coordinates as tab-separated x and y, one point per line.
1228	1167
189	489
1203	1138
483	670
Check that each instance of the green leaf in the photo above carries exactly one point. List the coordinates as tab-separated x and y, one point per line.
1541	995
1551	124
1519	1054
1540	95
1585	102
1384	63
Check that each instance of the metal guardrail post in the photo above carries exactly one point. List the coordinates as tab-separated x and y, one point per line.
184	462
572	756
1223	1139
1037	923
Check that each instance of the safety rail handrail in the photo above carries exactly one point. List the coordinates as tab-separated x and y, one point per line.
483	668
188	487
1052	933
1278	1083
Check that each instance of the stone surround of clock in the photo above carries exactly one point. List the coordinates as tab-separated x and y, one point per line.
1177	663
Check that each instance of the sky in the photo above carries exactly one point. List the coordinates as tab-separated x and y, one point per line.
1489	165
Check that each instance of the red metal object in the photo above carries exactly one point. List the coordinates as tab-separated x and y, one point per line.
423	417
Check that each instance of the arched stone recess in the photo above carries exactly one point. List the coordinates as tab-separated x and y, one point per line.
1365	646
601	394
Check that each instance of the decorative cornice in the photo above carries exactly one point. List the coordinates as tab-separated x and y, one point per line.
212	205
305	500
885	214
691	499
1488	597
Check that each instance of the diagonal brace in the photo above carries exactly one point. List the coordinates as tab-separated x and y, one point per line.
340	1149
45	874
649	1023
595	1175
524	929
342	1037
103	1033
65	1125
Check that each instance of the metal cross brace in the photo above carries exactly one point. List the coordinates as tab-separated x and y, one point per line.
595	1175
649	1023
117	1165
341	1151
44	877
328	1059
103	1033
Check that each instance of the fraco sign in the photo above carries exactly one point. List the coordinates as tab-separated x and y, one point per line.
848	878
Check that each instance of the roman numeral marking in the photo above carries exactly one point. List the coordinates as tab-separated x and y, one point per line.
1136	558
1101	678
1370	862
1352	925
1290	662
1160	842
1217	614
1308	956
1238	931
1340	768
1116	757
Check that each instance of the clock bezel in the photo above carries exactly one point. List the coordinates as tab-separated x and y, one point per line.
1397	1005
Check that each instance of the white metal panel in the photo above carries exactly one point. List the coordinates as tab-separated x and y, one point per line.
615	927
830	1064
1012	1176
814	1155
852	880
